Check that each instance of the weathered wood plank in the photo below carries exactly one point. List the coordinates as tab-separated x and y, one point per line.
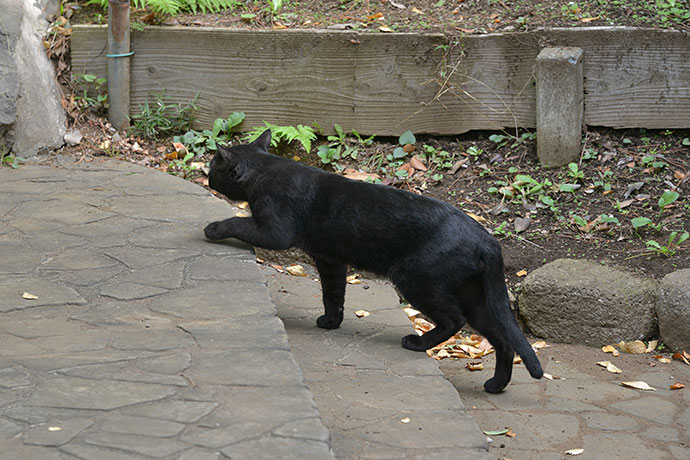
384	84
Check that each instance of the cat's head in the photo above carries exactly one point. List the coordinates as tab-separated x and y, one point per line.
232	167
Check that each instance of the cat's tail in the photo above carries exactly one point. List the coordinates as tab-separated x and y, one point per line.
498	303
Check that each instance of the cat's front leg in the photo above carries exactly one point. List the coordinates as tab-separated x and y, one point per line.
333	280
248	230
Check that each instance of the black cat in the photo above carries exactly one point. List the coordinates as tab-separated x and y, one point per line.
441	260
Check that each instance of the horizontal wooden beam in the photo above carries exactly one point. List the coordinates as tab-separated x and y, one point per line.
385	84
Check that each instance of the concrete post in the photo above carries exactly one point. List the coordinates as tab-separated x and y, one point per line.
560	97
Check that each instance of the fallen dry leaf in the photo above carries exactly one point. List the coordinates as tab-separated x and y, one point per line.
610	349
353	279
361	176
635	347
385	29
242	214
684	356
475	366
362	313
510	434
589	19
651	346
539	345
54	428
417	164
296	270
638	385
277	268
677	386
610	367
243	205
662	359
522	273
574	452
405	420
417	11
479	219
29	296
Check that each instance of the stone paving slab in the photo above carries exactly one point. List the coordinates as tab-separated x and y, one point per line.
145	340
377	399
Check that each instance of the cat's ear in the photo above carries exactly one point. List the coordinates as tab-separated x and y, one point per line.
222	154
263	142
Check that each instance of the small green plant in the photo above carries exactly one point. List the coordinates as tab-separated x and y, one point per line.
499	139
474	152
94	91
441	159
667	198
201	142
173	7
274	6
501	230
653	161
575	173
305	135
673	10
671	247
161	119
7	159
182	166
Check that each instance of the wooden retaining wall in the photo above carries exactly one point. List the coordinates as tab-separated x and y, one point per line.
385	84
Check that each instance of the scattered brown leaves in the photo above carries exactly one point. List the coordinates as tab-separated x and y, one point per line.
677	386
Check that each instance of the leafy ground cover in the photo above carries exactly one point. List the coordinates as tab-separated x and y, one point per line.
447	16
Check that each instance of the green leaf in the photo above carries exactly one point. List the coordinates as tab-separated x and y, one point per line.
407	138
547	200
686	141
683	237
399	153
653	244
639	222
496	432
567	187
401	173
235	119
667	198
609	219
218	126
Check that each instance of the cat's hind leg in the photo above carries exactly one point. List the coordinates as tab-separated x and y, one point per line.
445	314
504	356
333	282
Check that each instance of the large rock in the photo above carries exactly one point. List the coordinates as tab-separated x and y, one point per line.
673	309
578	301
31	115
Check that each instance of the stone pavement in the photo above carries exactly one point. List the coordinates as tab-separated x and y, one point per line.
126	335
379	400
364	385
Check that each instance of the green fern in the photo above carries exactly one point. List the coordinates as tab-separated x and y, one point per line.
173	7
303	134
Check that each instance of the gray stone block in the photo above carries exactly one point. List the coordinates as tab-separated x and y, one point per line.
578	301
673	309
560	105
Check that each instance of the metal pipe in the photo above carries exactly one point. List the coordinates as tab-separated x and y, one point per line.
118	63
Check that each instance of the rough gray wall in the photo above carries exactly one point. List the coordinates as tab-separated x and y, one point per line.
31	115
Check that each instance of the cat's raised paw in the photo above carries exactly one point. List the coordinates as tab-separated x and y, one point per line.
414	342
212	231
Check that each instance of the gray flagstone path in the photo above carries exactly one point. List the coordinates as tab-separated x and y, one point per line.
124	334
